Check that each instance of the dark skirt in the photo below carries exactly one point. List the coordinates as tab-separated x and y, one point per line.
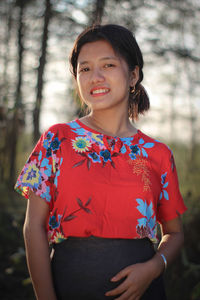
82	267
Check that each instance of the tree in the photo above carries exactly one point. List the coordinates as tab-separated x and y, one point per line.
41	69
99	6
17	110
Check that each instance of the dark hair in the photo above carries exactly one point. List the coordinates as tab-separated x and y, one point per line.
125	45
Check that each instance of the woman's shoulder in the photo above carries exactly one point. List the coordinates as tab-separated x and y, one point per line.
158	145
60	128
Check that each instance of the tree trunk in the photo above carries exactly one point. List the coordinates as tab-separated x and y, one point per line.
6	58
4	155
99	6
40	77
18	96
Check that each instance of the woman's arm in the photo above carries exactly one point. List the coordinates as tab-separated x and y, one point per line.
170	244
140	276
37	248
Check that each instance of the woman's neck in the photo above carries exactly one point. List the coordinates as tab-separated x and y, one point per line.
110	124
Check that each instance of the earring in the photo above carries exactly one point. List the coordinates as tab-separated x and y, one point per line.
133	90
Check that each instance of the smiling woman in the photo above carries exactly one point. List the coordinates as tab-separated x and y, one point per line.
98	187
103	77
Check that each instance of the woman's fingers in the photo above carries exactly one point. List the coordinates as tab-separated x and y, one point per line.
122	287
136	282
128	295
123	273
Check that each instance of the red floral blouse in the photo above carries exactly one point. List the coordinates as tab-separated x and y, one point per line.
100	185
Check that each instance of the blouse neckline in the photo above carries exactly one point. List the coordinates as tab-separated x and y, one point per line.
103	134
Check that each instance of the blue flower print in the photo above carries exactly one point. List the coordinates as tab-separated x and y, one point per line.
164	193
46	144
58	173
76	128
145	145
55	144
53	222
45	163
95	157
56	178
127	140
140	149
106	155
147	225
73	124
46	195
48	139
40	155
134	151
32	174
48	153
123	149
49	135
163	177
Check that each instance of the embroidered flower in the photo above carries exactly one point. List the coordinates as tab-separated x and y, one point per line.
53	222
49	135
95	157
144	146
106	155
40	155
97	138
59	237
135	149
31	175
46	194
163	177
81	144
164	186
147	225
55	144
48	153
140	149
48	139
48	167
46	144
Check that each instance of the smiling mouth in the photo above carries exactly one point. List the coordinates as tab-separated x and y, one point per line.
98	92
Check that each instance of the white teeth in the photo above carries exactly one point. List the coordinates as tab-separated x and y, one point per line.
100	91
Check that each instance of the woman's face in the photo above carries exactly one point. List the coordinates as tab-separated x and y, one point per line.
103	77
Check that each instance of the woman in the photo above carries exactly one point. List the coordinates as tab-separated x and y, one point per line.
97	186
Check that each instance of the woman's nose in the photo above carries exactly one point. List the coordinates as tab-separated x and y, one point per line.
97	76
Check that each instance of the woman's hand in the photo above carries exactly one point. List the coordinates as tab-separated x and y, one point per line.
138	278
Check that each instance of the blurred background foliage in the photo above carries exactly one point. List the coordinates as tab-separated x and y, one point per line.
37	91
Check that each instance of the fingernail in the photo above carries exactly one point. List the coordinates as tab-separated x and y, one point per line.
114	279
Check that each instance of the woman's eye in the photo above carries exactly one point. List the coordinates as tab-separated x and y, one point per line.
109	65
84	69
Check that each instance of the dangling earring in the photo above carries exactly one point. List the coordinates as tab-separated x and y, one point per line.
133	90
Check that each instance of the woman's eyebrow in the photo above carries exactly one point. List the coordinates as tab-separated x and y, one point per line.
102	58
83	62
109	57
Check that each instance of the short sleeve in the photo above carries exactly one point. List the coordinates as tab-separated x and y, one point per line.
170	203
38	173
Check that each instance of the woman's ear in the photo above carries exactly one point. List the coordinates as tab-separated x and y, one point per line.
134	77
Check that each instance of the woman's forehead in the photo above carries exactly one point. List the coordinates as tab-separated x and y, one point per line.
97	50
